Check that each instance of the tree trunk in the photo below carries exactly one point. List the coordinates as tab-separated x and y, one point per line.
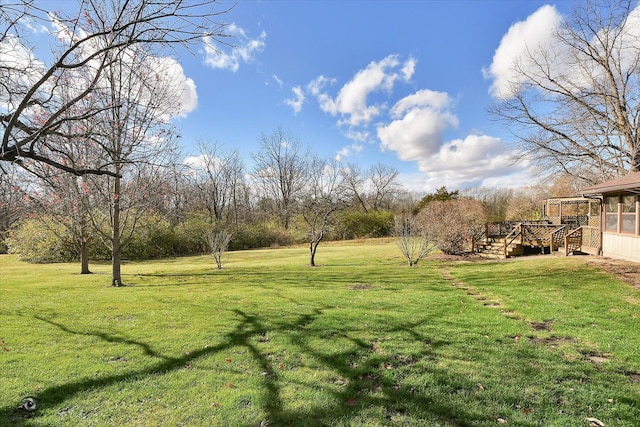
84	246
84	256
312	251
116	275
313	247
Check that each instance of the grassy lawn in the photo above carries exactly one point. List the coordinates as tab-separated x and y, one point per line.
361	340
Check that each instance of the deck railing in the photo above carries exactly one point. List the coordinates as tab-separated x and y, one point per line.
583	239
540	235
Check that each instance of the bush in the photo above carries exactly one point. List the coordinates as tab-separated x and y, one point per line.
249	236
153	238
452	223
353	224
41	240
191	234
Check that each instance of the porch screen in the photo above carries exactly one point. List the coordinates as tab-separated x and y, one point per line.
628	214
611	213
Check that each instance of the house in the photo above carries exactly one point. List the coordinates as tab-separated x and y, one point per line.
619	222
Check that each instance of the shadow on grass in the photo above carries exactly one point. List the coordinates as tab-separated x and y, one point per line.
362	369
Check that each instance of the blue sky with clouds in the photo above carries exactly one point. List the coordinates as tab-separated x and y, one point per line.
405	83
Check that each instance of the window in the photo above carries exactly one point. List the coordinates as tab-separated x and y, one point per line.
611	213
628	224
554	209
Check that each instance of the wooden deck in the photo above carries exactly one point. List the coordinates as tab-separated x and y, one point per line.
503	240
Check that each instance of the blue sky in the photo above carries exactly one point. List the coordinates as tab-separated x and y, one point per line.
334	73
404	83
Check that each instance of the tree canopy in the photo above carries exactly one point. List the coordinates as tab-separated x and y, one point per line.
572	99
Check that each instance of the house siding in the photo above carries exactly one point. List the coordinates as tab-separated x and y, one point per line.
620	246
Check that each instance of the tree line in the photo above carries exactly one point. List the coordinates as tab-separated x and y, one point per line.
88	152
211	202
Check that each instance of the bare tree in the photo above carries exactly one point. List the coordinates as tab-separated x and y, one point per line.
324	196
217	177
415	242
495	201
63	201
573	103
88	45
218	240
384	185
373	189
281	170
137	142
354	181
452	224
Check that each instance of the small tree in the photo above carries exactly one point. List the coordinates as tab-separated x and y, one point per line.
452	223
414	241
218	240
324	197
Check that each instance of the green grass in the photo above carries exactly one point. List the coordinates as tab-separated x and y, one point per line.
361	340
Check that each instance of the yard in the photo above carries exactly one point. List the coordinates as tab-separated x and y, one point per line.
361	340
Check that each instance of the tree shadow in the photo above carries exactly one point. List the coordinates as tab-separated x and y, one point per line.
52	396
363	369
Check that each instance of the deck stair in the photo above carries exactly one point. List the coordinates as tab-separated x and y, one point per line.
504	240
494	248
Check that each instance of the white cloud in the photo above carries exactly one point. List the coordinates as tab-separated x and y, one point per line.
424	98
34	26
474	156
278	81
477	160
180	90
348	151
421	120
316	85
358	135
21	66
351	102
525	36
244	51
297	101
203	163
417	135
408	69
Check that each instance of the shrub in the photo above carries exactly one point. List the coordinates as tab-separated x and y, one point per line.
452	223
353	224
413	241
153	238
249	236
191	233
41	240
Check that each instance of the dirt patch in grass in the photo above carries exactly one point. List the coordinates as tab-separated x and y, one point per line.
633	376
541	326
361	286
597	357
626	271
